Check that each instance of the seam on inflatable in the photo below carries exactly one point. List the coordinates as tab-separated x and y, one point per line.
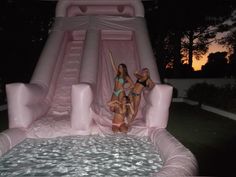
40	84
9	139
177	166
184	156
62	6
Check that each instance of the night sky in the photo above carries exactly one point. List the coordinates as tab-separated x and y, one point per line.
24	26
23	33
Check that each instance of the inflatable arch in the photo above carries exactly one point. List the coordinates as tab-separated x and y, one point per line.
73	81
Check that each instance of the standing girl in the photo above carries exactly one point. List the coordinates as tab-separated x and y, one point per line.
122	78
143	81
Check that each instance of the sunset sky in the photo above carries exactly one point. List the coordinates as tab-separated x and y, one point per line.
197	64
214	47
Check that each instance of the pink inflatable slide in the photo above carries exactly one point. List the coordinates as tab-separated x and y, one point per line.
73	81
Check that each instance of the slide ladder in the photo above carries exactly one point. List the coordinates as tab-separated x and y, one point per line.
68	76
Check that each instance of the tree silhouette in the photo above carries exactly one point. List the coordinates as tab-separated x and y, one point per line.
196	42
216	65
229	41
232	65
177	29
180	29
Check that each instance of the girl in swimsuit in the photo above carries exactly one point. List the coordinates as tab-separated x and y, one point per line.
122	78
120	112
143	81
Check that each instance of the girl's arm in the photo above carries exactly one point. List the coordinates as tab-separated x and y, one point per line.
131	108
122	108
138	75
150	83
112	62
110	103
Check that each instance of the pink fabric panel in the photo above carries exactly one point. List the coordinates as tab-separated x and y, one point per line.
88	7
25	103
178	160
82	97
123	51
121	10
78	35
117	35
157	108
9	138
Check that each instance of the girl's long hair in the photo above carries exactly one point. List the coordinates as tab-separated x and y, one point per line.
125	71
147	70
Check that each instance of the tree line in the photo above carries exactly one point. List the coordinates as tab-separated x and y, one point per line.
181	30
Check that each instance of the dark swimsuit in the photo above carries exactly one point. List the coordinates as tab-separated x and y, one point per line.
144	83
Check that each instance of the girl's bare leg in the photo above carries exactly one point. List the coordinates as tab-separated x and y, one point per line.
124	128
130	114
113	97
116	121
119	98
136	102
129	119
121	95
115	129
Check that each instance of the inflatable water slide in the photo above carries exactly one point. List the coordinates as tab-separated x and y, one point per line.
73	81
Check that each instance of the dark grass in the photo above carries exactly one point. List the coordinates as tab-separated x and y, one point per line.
3	120
211	138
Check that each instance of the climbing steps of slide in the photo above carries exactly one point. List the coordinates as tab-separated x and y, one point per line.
68	76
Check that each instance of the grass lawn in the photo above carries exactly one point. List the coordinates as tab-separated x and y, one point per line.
211	138
3	120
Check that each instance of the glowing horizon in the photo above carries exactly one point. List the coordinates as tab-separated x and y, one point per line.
197	64
214	47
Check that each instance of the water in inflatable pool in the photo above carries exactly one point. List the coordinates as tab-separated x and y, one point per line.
94	155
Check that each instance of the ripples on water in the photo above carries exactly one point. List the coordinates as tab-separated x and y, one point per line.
110	155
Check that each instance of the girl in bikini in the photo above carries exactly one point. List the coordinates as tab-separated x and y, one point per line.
121	110
143	81
122	78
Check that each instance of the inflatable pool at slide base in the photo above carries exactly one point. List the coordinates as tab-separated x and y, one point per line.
73	80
